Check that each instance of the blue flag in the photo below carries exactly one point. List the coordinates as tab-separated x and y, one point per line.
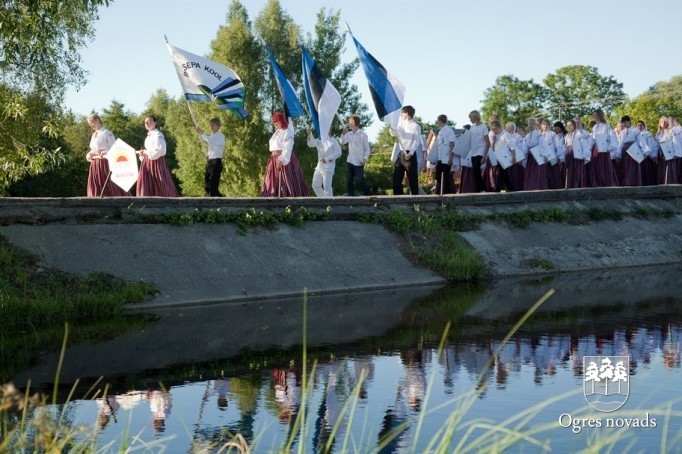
323	99
387	91
292	106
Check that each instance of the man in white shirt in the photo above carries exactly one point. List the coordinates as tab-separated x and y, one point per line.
328	150
214	157
409	135
446	145
479	147
358	153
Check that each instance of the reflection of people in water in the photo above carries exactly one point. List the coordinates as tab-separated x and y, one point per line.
160	405
107	409
287	392
221	387
671	346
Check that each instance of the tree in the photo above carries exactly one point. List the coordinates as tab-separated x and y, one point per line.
379	168
237	46
512	99
39	59
28	136
661	99
41	43
577	91
125	124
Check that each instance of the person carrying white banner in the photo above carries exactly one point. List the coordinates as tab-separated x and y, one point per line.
98	177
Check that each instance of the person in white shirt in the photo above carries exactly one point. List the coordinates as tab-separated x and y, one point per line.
409	136
578	144
214	157
283	174
99	184
676	135
480	144
556	174
518	151
154	178
446	145
647	142
358	153
328	150
535	175
667	169
631	170
603	172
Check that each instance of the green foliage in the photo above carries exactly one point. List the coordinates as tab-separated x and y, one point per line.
33	296
512	99
379	168
244	220
41	41
39	59
453	258
578	90
661	99
572	91
28	145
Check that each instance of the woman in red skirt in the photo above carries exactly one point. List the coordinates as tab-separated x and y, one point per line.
154	179
283	174
99	184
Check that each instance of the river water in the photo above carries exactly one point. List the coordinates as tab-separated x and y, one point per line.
398	371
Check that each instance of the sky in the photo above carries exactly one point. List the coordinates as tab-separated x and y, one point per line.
445	52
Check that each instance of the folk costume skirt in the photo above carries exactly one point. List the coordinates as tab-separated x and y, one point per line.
154	179
289	182
576	172
535	177
99	183
467	182
603	172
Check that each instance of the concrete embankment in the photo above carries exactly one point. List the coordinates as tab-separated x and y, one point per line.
214	262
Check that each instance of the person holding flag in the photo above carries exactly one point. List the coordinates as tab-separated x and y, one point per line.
358	153
409	135
328	151
283	174
98	177
214	157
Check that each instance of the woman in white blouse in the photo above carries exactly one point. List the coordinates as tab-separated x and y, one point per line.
99	184
154	179
283	174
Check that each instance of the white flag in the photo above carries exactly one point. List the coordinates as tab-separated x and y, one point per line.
205	80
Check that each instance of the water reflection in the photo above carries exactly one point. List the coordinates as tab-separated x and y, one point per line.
394	391
361	402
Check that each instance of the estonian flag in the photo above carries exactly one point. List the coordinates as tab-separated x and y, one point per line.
323	99
387	91
205	80
292	106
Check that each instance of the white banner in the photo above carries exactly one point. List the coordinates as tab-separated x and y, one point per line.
122	164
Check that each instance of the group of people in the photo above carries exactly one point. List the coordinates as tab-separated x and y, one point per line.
154	178
541	155
556	156
283	174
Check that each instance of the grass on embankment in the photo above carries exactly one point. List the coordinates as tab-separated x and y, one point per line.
32	296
